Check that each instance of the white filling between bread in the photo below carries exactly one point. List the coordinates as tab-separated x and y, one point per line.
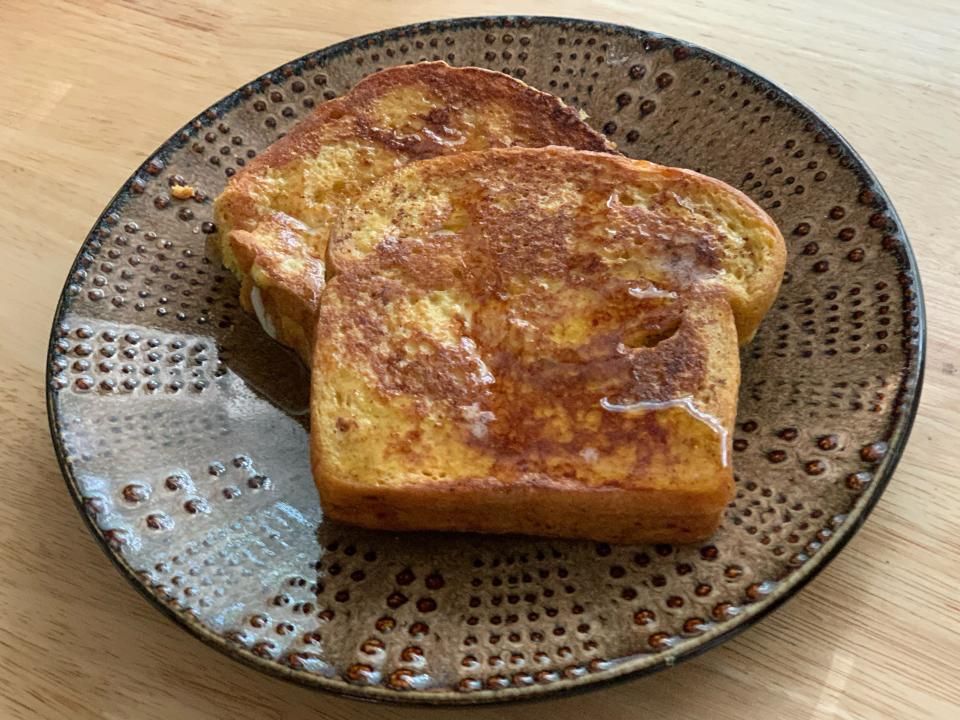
256	299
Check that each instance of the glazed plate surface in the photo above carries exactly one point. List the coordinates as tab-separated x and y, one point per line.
181	428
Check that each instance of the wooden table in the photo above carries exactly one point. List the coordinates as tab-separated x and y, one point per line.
93	86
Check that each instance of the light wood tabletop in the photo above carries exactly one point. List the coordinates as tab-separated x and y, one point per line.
93	86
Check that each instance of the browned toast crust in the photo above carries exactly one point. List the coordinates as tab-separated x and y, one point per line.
537	341
274	215
726	240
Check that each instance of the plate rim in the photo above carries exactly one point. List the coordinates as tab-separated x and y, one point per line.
911	385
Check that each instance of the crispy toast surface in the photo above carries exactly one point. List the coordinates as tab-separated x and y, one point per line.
682	228
275	215
537	341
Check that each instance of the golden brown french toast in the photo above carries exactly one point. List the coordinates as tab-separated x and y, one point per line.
681	226
275	214
537	341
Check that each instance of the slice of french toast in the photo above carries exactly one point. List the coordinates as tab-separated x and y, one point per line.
539	341
676	226
275	214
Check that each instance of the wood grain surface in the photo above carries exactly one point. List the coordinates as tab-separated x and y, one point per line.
91	87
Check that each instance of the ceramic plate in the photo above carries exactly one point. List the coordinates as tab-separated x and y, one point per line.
181	428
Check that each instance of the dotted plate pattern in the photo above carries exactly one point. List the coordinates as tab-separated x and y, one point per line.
181	428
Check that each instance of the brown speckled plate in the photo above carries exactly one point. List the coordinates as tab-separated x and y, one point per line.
181	428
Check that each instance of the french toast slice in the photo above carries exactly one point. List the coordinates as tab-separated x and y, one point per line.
274	216
537	341
680	227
